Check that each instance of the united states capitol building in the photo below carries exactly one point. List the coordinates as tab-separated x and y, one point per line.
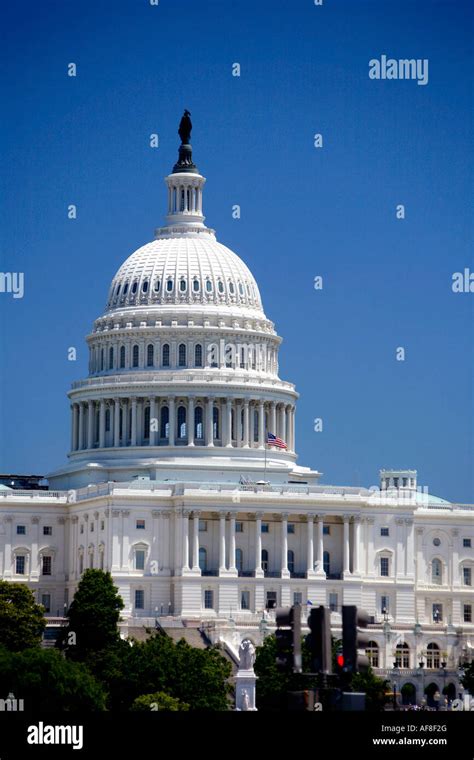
171	485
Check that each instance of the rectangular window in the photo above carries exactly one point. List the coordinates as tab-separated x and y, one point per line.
265	528
46	565
92	527
466	574
47	530
140	524
208	599
291	527
82	527
404	482
139	599
384	605
20	564
46	602
384	532
102	524
437	613
140	559
333	605
297	597
239	527
271	600
202	526
384	566
467	613
326	530
21	530
245	600
466	542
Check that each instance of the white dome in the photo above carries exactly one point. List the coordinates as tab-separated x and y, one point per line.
185	269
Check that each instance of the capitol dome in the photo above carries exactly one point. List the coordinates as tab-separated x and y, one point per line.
193	269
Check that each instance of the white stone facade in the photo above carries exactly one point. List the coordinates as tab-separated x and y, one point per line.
170	486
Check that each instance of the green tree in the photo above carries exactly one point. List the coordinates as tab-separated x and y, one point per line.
272	684
467	679
93	617
21	620
159	701
47	682
375	689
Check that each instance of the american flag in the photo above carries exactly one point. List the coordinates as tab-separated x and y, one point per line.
273	440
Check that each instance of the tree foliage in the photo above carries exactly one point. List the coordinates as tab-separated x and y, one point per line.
467	679
47	682
21	620
93	616
160	702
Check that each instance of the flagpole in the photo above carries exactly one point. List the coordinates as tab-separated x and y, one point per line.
265	466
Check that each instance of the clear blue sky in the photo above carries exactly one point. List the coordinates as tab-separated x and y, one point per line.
305	211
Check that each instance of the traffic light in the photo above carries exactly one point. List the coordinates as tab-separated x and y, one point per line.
288	638
352	640
319	640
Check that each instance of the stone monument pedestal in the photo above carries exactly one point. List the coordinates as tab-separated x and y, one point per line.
245	687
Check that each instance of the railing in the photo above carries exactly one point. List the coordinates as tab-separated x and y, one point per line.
209	573
246	573
30	494
297	575
155	376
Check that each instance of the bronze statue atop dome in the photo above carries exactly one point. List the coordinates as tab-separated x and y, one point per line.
185	127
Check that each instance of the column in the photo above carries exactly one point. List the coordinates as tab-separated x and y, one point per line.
291	428
73	545
80	444
125	540
133	436
346	546
455	578
172	420
246	439
261	425
285	573
282	431
7	571
153	422
258	545
74	426
155	553
166	542
400	547
34	566
190	425
90	424
238	424
185	522
273	418
356	546
222	566
228	423
116	540
232	566
196	567
116	422
410	548
310	545
209	422
125	416
102	424
320	546
370	542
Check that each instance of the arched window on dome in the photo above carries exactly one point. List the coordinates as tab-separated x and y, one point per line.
215	422
122	357
102	360
198	355
209	286
169	285
198	426
145	286
255	426
125	289
135	354
134	288
242	358
231	287
291	561
220	286
146	423
181	422
182	285
182	355
196	285
164	422
241	289
157	286
107	420
150	355
166	355
111	357
248	289
181	200
229	354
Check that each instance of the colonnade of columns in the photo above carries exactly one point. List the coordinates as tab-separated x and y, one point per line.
170	421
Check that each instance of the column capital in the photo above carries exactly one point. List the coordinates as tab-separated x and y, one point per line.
74	519
196	513
156	513
186	512
116	513
310	516
346	518
259	515
35	520
356	518
125	512
284	516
